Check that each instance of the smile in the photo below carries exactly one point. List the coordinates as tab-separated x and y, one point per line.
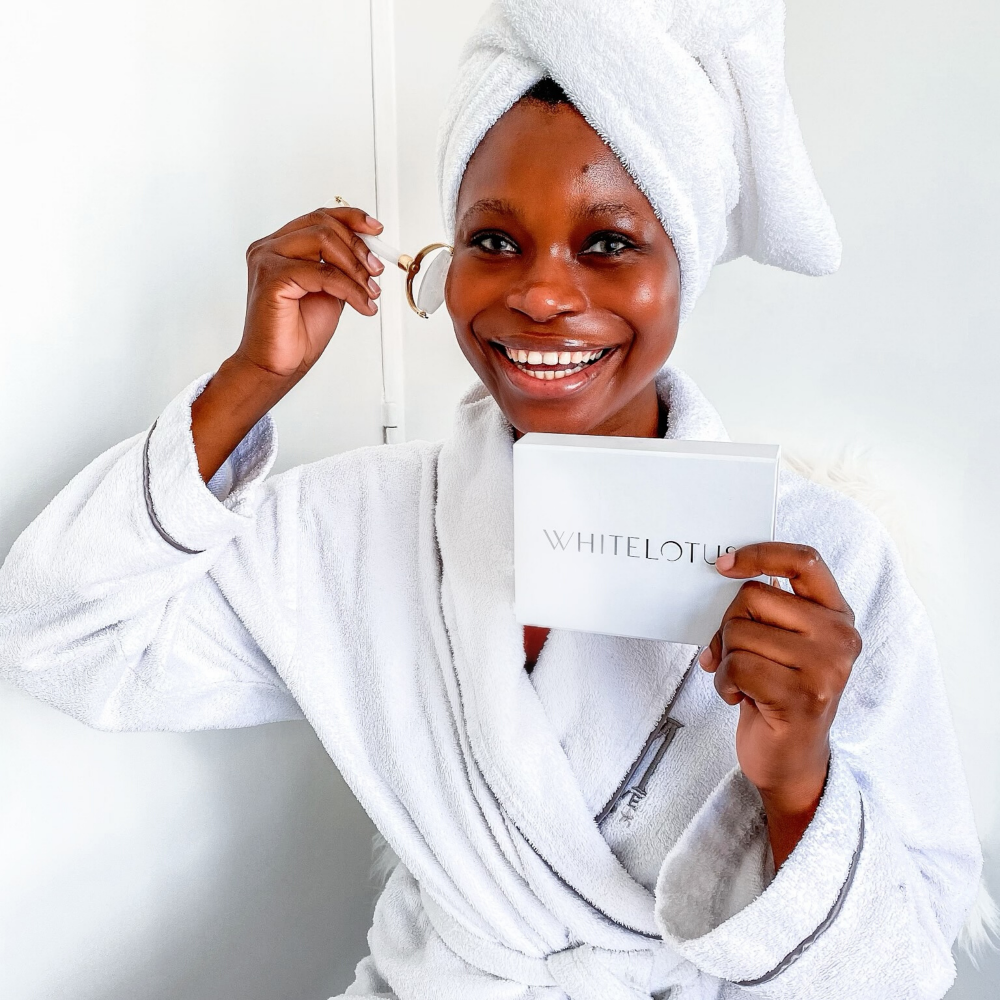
549	365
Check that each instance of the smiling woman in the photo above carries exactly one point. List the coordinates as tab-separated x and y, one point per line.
565	288
781	813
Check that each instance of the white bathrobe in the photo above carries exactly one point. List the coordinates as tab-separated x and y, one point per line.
583	831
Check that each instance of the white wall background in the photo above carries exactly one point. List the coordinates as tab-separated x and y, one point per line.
145	145
234	864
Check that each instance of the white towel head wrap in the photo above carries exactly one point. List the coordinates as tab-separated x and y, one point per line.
690	95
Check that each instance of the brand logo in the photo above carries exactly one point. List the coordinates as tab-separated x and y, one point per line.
634	547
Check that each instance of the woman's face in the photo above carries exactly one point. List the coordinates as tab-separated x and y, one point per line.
564	289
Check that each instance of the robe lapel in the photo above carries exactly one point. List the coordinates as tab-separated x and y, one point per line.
603	695
515	746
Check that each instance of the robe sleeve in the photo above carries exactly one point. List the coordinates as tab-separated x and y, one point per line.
872	898
110	605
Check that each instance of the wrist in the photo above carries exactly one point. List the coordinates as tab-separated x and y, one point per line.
237	396
789	812
793	801
257	387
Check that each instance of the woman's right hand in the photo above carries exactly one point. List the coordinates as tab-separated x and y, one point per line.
300	279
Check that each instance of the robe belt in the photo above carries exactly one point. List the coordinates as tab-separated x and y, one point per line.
583	972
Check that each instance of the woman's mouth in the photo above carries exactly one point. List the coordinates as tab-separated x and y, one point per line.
551	365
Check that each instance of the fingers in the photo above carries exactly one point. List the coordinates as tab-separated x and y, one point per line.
348	236
789	649
741	670
299	278
763	602
801	565
331	226
791	630
326	236
332	244
355	219
778	691
321	245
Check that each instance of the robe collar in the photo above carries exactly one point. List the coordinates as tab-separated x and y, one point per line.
514	743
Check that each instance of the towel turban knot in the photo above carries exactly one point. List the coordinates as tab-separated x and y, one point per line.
692	98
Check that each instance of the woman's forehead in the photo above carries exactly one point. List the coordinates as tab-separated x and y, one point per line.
536	153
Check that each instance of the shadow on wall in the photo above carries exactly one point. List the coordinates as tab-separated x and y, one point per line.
176	866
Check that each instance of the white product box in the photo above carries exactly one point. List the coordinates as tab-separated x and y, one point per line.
620	535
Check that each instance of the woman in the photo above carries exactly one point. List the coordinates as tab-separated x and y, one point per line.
575	815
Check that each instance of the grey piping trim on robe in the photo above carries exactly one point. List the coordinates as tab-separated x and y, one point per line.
545	861
149	502
632	772
799	950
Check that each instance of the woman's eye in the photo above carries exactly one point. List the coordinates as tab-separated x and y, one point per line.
494	243
607	244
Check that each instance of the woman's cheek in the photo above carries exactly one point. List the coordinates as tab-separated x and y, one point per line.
468	292
658	291
454	289
657	311
463	305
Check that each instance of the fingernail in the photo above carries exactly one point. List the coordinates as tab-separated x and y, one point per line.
373	222
705	657
372	306
726	561
373	287
374	264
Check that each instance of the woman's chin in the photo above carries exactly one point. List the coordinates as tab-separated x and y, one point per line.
554	415
599	408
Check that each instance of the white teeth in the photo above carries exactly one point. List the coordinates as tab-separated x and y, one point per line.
548	376
578	359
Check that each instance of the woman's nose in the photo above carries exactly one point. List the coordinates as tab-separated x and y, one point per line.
548	290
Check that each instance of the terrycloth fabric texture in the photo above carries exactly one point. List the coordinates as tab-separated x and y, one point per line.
372	593
691	96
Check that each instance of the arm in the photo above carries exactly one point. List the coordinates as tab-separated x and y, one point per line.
874	890
117	603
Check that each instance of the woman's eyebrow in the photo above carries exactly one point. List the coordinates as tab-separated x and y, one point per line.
495	205
607	208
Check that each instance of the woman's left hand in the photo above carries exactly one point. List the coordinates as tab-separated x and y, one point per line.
785	660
